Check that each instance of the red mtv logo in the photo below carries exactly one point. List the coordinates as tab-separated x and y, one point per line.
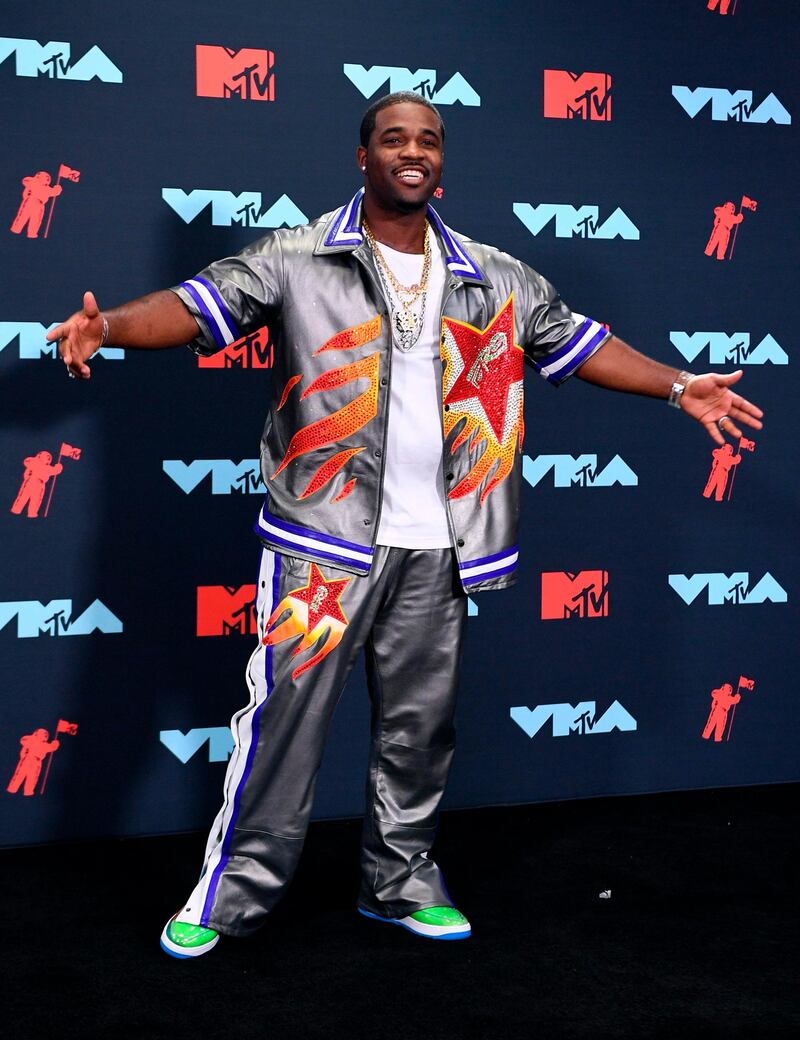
225	609
568	95
568	595
245	74
251	351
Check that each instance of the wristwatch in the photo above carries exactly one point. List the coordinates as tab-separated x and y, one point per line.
676	390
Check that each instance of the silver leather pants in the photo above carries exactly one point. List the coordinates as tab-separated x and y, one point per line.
408	614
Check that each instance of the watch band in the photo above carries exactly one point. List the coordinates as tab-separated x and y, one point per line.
682	380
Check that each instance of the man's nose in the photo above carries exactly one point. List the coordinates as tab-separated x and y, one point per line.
411	150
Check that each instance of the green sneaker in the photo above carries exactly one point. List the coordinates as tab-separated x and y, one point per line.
434	922
182	940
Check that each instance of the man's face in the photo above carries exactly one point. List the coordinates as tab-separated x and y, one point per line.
404	157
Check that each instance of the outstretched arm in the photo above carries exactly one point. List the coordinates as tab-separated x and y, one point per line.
149	323
707	398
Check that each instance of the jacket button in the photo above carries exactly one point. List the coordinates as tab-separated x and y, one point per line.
378	453
384	381
449	476
367	523
460	543
447	407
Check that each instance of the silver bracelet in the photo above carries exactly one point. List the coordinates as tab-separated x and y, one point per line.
104	338
682	380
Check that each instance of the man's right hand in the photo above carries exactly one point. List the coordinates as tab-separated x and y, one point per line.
79	337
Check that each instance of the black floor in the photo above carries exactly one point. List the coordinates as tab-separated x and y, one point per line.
698	938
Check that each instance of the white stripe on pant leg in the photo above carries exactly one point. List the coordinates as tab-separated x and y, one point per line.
241	727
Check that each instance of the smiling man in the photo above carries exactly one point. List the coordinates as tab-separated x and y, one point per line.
392	460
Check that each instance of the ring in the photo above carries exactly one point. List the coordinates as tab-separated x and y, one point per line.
721	421
72	376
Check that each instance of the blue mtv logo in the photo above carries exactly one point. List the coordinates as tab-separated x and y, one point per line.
227	208
54	61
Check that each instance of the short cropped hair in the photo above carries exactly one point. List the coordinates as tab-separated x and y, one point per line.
400	97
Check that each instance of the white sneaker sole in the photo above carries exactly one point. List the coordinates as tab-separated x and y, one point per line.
184	952
427	931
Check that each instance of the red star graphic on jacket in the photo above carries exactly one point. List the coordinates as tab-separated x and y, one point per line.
491	362
482	389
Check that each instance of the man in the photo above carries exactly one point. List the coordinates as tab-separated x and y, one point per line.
722	700
392	459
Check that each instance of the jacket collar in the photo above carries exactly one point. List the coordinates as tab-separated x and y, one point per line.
342	233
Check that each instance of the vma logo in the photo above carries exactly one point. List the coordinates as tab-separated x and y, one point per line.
251	351
575	221
55	618
245	74
578	471
723	588
54	61
184	745
569	95
423	82
580	718
735	349
32	345
580	595
227	477
731	104
245	209
224	610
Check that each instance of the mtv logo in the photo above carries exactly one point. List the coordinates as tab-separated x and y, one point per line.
423	82
580	718
225	73
227	477
223	610
723	588
54	61
245	209
33	345
578	471
729	350
184	745
575	221
568	595
569	95
730	104
55	618
251	351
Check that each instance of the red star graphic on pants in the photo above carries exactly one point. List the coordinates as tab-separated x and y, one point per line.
492	363
322	597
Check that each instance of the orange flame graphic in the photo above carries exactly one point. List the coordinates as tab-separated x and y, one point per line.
316	613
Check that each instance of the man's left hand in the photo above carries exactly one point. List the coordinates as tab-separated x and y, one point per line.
709	399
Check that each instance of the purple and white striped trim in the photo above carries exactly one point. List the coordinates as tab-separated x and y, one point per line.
323	546
473	571
214	310
456	258
346	229
566	359
247	734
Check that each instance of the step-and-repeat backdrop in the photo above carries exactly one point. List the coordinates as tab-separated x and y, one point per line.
640	155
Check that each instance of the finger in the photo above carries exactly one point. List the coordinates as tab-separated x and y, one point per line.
713	431
747	407
748	420
56	333
90	308
728	426
730	378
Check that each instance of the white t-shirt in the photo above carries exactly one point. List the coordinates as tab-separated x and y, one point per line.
413	514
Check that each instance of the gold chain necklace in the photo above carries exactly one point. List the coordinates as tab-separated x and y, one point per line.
407	325
410	292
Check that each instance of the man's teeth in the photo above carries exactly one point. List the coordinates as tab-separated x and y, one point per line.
412	176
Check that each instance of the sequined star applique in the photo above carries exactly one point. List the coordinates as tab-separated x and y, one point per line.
316	610
482	389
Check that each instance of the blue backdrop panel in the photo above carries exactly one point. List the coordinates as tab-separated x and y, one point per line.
638	595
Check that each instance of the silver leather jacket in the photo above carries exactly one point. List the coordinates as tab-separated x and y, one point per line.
322	451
